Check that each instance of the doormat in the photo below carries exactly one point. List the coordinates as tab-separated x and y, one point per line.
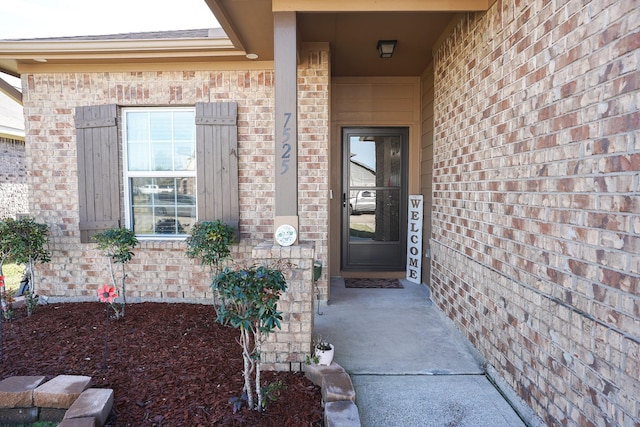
373	283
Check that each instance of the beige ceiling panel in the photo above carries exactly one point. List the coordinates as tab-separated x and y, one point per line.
380	5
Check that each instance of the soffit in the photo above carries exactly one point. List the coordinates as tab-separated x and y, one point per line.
353	37
352	27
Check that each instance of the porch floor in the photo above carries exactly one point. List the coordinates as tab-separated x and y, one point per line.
408	364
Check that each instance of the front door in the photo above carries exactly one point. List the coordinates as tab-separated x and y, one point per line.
374	199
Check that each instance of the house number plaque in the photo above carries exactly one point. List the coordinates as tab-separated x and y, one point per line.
285	155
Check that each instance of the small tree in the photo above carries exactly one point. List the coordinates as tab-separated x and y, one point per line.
6	244
22	241
249	299
26	242
211	242
117	244
5	250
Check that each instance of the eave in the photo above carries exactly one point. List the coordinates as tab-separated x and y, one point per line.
12	133
16	56
10	91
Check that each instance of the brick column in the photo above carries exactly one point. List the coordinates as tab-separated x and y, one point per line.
287	348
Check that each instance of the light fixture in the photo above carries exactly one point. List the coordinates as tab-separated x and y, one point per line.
386	47
252	56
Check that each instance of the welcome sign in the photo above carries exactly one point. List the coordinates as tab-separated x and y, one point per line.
414	239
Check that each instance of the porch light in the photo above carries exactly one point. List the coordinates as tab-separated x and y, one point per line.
386	47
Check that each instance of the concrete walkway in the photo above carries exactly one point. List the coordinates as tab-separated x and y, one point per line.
408	364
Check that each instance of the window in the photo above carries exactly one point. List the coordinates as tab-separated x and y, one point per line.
178	165
160	170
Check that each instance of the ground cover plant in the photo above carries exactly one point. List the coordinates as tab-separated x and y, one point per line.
168	364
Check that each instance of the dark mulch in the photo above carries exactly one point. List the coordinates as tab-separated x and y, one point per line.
168	364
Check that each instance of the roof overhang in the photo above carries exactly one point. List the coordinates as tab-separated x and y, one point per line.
249	23
10	91
12	133
351	27
17	56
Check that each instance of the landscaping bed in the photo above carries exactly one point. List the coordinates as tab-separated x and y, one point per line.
168	364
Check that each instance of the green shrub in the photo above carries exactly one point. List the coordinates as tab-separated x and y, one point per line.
23	241
211	242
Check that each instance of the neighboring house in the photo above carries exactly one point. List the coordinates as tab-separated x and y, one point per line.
13	170
361	179
517	121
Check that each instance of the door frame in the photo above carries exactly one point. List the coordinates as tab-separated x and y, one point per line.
363	102
376	250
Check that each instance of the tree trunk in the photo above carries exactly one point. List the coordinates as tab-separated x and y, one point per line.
246	355
124	290
32	278
257	337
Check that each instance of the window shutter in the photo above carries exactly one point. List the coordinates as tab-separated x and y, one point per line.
217	162
98	172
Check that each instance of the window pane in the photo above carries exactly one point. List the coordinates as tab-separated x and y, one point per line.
374	215
164	206
183	128
375	161
185	156
137	127
162	155
160	125
161	140
138	157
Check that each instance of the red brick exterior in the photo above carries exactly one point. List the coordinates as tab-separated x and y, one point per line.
536	195
160	269
536	215
13	178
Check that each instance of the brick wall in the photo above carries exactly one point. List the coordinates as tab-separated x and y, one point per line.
159	270
13	178
426	165
536	217
286	349
313	153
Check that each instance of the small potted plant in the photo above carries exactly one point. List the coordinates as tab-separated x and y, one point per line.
323	351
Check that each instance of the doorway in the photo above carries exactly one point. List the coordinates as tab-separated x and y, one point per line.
374	198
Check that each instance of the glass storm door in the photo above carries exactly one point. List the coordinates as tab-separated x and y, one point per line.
374	199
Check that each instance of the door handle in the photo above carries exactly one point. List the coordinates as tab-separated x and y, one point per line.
344	200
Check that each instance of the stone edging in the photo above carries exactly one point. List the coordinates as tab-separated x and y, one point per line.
66	399
338	394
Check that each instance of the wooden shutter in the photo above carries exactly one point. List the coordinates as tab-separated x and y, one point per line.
217	162
98	172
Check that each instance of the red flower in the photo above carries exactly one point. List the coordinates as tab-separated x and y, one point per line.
107	294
